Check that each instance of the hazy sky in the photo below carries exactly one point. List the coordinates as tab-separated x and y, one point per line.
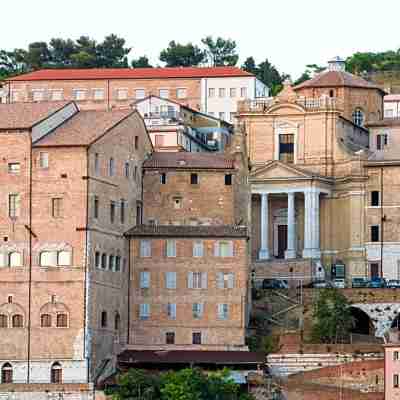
291	33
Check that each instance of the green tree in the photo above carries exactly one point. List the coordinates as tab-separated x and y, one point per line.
249	65
61	51
38	55
112	53
220	51
182	55
12	63
311	70
332	320
141	62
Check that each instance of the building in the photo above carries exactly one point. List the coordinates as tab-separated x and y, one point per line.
392	371
392	106
189	261
174	127
214	90
71	186
311	160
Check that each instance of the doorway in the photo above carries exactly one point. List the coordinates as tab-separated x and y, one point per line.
282	240
374	270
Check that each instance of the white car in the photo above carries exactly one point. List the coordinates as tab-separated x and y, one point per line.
339	283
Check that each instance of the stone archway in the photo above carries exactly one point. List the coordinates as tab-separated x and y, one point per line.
363	324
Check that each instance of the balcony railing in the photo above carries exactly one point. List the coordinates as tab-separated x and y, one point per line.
163	118
309	103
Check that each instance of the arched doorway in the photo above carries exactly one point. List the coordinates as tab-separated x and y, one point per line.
362	324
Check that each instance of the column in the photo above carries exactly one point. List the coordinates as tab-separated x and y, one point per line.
311	224
291	228
264	252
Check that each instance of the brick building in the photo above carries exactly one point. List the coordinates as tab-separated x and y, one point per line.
213	90
71	185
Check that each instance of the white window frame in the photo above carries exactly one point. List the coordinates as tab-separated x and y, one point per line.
142	93
225	280
145	248
14	168
13	263
98	94
122	94
179	92
171	310
218	248
144	311
55	97
170	280
221	93
36	92
197	310
43	160
64	258
165	91
198	248
223	311
197	280
79	94
170	247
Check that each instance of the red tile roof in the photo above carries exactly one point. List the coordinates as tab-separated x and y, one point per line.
187	160
227	231
130	73
337	79
26	115
84	128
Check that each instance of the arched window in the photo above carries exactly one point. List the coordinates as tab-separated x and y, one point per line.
64	258
62	320
331	93
15	259
48	259
6	373
56	373
17	321
3	321
45	320
117	322
104	319
358	117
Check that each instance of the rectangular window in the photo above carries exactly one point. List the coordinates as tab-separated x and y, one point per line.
170	280
171	310
243	92
13	205
159	140
375	198
122	211
164	93
96	207
211	92
221	92
97	259
198	249
286	148
144	311
197	280
104	261
194	179
136	142
221	116
196	338
224	249
56	95
98	94
177	202
111	167
14	96
97	164
225	280
375	233
388	113
171	248
140	94
122	94
228	179
396	380
395	356
144	279
145	248
117	263
14	168
112	211
163	178
170	338
79	94
57	207
127	169
181	93
223	313
381	141
111	262
37	95
197	310
232	92
43	160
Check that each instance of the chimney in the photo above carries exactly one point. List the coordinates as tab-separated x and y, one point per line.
336	64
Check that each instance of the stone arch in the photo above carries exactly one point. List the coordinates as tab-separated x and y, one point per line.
12	309
362	323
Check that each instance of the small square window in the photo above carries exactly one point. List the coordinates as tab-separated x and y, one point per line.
163	178
228	179
14	168
177	203
170	338
181	93
98	94
196	337
140	94
164	93
194	179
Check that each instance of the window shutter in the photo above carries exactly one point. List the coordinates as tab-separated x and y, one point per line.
231	280
190	280
220	280
204	280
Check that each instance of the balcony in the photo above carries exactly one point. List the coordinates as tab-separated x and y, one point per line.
163	118
310	104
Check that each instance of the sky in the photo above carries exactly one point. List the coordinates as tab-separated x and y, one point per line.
290	33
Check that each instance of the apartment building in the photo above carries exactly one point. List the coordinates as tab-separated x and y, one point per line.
392	106
71	186
174	127
214	90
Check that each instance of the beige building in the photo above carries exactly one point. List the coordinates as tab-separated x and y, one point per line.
311	159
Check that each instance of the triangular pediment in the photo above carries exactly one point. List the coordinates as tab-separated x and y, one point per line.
278	170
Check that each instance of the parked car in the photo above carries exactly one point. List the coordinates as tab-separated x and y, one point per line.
275	284
377	283
339	283
359	282
393	283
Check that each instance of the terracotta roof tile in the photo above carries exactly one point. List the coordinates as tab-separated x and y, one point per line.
188	231
188	160
130	73
26	115
337	79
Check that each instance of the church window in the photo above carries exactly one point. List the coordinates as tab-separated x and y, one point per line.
286	148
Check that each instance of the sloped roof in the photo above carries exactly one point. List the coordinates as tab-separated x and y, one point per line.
84	128
188	160
188	231
337	79
26	115
130	73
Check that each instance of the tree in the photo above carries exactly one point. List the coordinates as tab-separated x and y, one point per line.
38	55
182	55
332	320
112	53
221	51
141	62
250	66
12	63
311	70
61	51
